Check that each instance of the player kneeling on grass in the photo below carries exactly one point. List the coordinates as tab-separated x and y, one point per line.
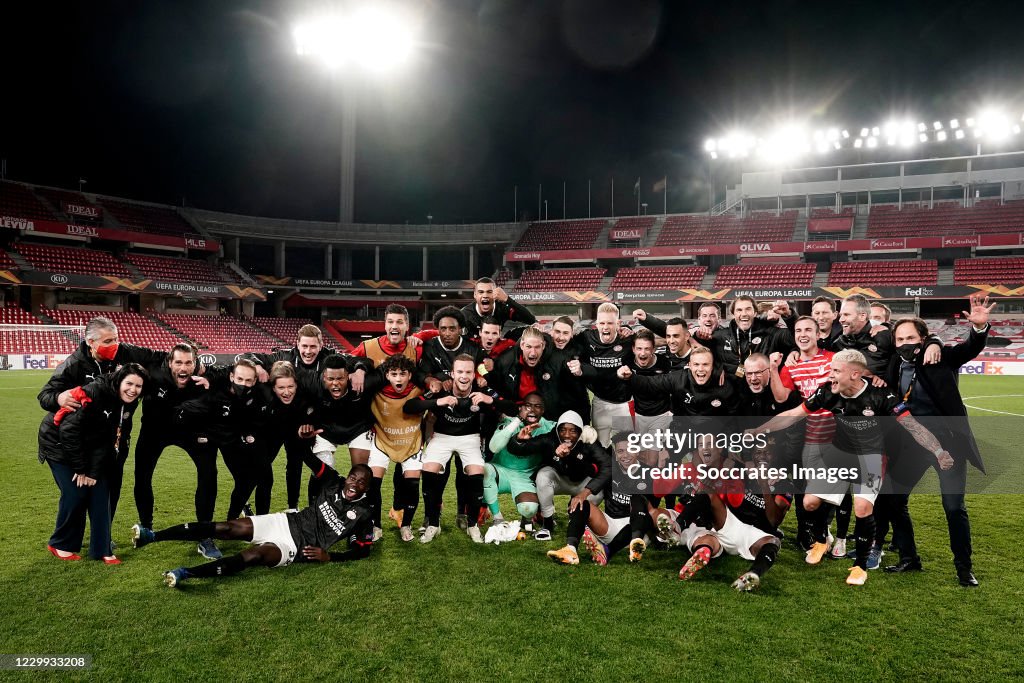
744	517
514	474
604	533
342	510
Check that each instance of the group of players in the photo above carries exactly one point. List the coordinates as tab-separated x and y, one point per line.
534	414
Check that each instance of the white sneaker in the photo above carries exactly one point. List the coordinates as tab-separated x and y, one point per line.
291	511
429	534
377	533
405	533
474	533
839	549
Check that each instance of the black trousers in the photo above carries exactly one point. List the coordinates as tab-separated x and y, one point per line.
147	452
248	464
74	504
903	475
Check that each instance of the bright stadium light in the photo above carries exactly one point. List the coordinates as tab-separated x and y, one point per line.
872	142
864	132
923	137
970	122
994	124
941	136
937	125
954	124
709	145
846	134
922	127
857	143
375	37
875	132
959	133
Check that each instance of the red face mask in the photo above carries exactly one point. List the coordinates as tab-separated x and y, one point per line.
106	352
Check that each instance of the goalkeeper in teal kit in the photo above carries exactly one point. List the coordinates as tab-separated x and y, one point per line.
507	473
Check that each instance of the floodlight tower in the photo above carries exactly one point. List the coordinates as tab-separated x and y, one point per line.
373	39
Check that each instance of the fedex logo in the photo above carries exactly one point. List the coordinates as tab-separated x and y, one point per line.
982	368
34	362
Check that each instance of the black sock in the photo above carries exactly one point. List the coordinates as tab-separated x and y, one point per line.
463	494
577	523
396	488
192	531
410	498
374	499
820	519
549	522
474	496
620	541
864	530
803	522
639	520
843	517
765	559
223	567
432	490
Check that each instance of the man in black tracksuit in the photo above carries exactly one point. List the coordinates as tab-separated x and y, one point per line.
171	384
490	300
341	511
231	416
745	334
533	366
604	349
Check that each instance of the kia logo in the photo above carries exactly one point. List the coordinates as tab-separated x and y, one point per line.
59	279
208	359
238	356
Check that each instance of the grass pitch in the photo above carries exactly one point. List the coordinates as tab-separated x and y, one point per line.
452	610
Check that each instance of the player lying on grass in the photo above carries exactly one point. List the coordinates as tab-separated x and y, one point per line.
340	511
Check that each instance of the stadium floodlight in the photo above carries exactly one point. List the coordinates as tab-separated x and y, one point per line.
970	122
846	134
922	127
837	145
857	143
864	132
959	133
1016	130
923	137
872	142
941	136
374	37
709	145
954	123
937	125
875	132
832	134
994	124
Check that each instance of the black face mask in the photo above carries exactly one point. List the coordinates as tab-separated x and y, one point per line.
241	390
908	351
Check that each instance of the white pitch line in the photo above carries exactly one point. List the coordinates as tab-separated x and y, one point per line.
989	410
971	398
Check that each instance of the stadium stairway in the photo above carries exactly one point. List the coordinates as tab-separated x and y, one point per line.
605	284
800	228
171	330
945	276
821	278
602	240
652	235
709	280
860	226
19	260
240	272
133	269
55	210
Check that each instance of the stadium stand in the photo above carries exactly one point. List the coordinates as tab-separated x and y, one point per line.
664	277
831	213
143	218
502	277
682	230
898	273
18	200
560	235
944	219
60	197
974	271
281	329
38	341
767	275
180	269
132	327
6	262
220	334
76	260
567	279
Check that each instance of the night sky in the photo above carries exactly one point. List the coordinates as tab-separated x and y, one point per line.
207	103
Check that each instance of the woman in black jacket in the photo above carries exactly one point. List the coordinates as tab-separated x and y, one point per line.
81	448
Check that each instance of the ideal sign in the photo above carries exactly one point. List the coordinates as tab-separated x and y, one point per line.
81	210
622	234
